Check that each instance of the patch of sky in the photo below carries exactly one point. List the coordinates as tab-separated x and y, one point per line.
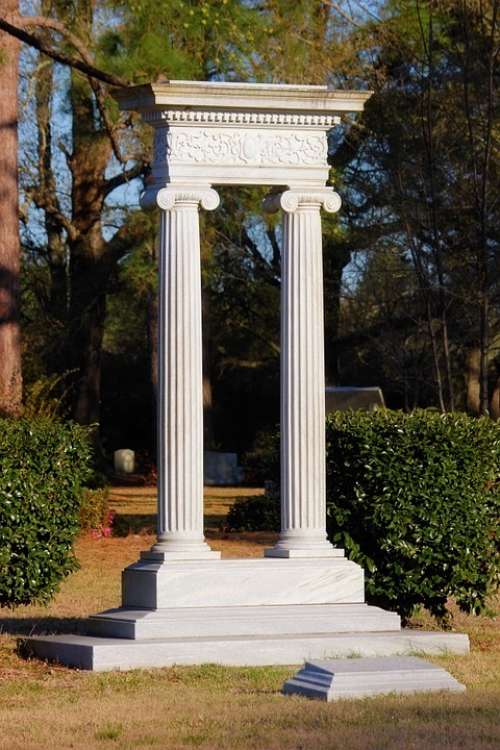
256	227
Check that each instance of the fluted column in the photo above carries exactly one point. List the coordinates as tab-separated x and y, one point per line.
180	382
303	497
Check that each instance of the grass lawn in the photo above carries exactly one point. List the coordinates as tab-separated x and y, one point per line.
47	706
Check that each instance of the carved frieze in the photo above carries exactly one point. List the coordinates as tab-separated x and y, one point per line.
239	147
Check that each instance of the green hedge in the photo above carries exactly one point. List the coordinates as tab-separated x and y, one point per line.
43	465
414	499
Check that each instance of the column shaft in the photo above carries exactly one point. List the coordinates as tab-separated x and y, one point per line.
303	496
180	383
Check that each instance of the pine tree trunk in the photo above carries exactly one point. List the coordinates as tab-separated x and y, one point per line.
495	401
10	335
472	377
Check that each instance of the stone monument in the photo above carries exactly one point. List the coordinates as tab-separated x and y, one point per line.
181	604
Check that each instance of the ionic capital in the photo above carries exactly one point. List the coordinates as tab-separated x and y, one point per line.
172	196
291	200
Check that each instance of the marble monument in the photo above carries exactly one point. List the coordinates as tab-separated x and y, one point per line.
181	603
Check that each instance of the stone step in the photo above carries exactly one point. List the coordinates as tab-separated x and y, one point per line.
105	654
249	620
359	678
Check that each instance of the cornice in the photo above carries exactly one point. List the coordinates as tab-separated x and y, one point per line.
243	97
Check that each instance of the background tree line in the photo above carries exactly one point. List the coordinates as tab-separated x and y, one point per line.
411	277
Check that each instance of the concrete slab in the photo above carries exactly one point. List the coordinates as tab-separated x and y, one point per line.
359	678
105	654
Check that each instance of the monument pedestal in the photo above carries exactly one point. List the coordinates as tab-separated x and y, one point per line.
242	613
151	584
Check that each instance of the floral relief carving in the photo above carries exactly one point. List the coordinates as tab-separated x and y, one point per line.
232	147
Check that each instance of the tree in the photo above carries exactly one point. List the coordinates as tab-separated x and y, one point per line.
433	188
10	335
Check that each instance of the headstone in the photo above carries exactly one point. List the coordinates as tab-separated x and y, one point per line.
343	398
359	678
124	461
221	468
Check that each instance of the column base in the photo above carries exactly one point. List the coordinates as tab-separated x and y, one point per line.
164	551
291	545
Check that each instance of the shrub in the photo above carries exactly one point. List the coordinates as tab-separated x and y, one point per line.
94	510
261	513
414	499
43	464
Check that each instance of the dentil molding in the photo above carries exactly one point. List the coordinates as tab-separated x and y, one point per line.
214	117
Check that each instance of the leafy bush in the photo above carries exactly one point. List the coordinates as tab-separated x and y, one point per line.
94	509
414	499
261	513
43	465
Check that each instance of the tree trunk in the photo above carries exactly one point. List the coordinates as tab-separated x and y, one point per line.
495	400
472	379
86	328
10	334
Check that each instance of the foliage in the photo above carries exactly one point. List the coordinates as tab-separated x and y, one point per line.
94	510
46	397
412	182
184	38
413	498
260	513
43	465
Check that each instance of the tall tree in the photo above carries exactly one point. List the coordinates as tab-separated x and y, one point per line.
10	335
432	188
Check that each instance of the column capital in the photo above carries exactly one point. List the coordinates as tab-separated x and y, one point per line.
168	197
295	198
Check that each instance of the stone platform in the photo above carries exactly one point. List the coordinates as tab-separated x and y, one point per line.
360	678
239	612
106	654
249	621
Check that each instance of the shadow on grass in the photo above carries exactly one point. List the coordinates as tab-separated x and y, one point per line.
134	523
145	523
41	625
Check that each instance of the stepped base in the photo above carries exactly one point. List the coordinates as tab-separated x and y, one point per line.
105	654
360	678
247	621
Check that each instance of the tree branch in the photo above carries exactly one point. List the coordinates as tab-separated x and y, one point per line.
342	13
73	62
124	177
